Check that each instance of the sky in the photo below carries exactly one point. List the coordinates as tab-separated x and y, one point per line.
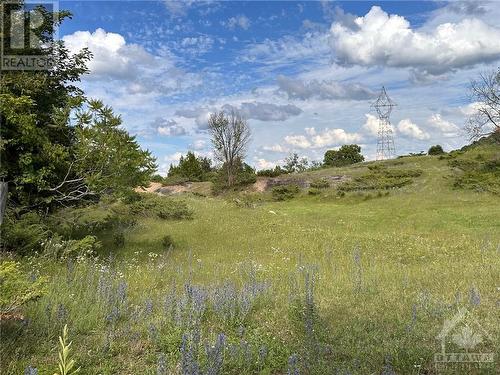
304	74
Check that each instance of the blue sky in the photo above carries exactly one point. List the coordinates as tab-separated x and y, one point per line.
303	73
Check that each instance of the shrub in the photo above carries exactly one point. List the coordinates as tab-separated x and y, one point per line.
277	171
167	241
284	192
16	289
435	150
58	248
314	191
161	207
381	179
321	183
119	239
25	235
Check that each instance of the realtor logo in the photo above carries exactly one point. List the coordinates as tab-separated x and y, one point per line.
23	37
465	345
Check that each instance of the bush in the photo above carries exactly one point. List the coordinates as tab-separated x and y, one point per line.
119	239
314	191
284	192
25	235
277	171
167	241
381	179
321	183
16	289
161	207
435	150
58	248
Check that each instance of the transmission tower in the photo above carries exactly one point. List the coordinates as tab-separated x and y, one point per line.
385	140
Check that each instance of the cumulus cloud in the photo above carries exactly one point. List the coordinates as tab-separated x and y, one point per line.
241	21
444	126
325	138
371	125
383	39
323	90
138	71
112	56
264	164
411	130
168	127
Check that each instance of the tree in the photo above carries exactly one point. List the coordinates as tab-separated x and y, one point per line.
435	150
34	111
106	159
191	167
346	155
295	164
230	135
485	93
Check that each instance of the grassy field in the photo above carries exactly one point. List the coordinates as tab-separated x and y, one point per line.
354	283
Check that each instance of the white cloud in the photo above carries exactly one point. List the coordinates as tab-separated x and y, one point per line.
276	148
241	21
326	138
300	141
324	90
264	164
447	128
173	158
411	130
383	39
371	125
169	127
136	71
112	56
199	144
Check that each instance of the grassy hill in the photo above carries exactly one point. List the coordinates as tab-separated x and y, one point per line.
355	278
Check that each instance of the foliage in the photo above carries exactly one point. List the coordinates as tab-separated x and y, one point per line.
435	150
161	207
380	178
320	183
167	241
230	136
314	191
66	363
295	164
34	113
192	168
16	289
57	248
346	155
243	175
24	235
284	192
277	171
106	156
485	94
157	178
478	175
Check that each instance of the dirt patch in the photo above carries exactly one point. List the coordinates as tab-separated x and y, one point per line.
152	188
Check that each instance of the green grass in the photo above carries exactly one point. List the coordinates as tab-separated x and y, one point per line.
389	270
